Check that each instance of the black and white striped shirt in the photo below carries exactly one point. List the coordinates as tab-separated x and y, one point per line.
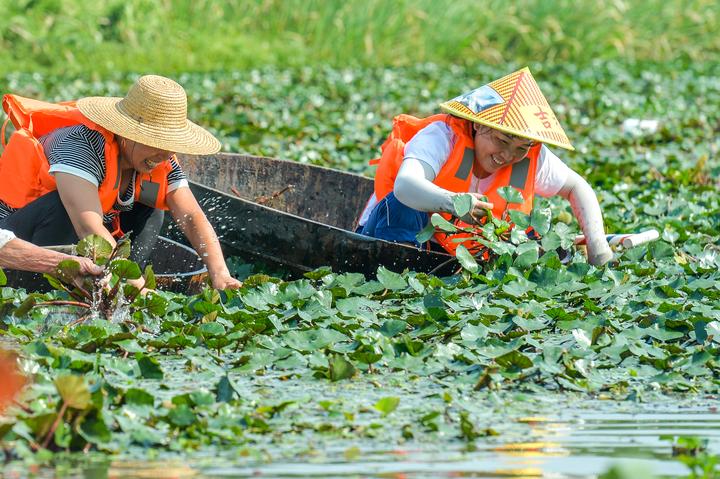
80	151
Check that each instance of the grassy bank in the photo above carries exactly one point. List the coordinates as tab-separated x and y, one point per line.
72	36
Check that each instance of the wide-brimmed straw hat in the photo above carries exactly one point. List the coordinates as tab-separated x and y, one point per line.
513	104
154	113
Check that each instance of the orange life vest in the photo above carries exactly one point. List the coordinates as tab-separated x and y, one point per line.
456	173
24	174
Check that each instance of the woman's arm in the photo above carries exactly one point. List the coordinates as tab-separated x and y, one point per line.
21	255
81	201
585	205
414	188
194	224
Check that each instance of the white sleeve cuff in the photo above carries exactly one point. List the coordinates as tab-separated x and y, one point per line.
178	184
5	237
551	174
70	170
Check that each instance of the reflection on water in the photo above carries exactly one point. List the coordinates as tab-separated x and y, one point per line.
572	443
140	470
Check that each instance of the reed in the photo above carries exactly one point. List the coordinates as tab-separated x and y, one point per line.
79	37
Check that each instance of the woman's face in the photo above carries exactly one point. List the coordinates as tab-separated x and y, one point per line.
495	150
142	158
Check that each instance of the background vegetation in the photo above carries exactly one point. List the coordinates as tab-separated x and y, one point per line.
84	38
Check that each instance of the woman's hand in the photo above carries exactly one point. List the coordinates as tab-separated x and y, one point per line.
192	221
223	280
478	210
87	267
599	253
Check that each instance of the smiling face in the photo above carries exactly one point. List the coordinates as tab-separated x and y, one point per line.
495	150
141	158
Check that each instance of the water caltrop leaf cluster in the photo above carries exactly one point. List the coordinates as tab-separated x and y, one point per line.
544	327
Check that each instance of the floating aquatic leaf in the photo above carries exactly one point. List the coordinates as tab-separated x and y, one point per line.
426	233
122	248
540	220
527	255
340	368
434	305
466	259
390	279
387	405
393	327
149	366
520	219
74	391
713	330
224	391
149	276
155	303
182	416
67	271
139	397
581	337
212	329
700	331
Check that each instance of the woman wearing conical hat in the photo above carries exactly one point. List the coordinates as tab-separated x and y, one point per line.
492	137
106	166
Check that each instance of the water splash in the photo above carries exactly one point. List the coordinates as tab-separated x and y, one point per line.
121	311
96	302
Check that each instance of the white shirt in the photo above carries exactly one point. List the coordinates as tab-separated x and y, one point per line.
5	237
434	143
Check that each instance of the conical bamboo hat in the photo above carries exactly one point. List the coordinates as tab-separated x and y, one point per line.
513	104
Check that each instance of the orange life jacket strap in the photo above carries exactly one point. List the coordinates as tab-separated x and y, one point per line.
115	229
3	140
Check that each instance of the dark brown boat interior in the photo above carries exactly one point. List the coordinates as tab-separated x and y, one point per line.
327	196
293	215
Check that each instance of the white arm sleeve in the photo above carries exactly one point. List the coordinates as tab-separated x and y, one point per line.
551	174
414	188
585	205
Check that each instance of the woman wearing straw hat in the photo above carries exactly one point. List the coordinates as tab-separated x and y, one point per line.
493	137
106	166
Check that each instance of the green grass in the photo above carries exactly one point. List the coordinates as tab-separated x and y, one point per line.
75	37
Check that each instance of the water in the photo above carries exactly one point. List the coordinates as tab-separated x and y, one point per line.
580	441
572	444
540	434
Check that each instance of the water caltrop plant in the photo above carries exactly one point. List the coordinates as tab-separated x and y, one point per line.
108	385
110	293
515	237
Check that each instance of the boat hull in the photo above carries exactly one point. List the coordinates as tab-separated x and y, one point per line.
297	216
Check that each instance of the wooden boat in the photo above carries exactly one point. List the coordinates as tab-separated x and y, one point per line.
177	268
294	215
